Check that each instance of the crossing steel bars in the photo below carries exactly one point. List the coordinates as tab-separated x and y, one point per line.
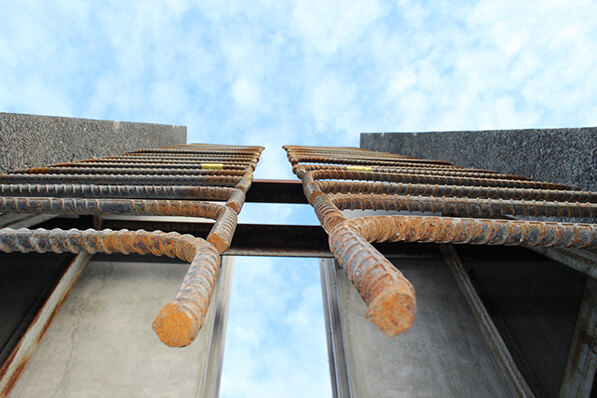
118	185
342	178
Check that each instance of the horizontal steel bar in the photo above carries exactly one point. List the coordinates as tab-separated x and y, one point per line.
455	191
179	321
118	191
230	181
68	171
475	231
467	207
423	179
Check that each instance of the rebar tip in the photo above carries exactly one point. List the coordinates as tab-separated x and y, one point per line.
393	311
174	326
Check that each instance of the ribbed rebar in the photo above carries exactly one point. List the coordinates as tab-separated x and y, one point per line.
118	191
137	207
475	231
437	171
119	179
178	323
387	182
390	297
133	170
466	207
454	191
147	182
442	180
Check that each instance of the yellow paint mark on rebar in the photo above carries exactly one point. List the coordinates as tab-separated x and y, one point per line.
212	166
359	168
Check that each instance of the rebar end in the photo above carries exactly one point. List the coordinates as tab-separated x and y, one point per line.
174	326
393	311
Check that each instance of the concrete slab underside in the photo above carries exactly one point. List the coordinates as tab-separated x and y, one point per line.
101	343
442	355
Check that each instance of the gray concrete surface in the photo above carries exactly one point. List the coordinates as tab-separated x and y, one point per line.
556	155
442	355
32	140
101	343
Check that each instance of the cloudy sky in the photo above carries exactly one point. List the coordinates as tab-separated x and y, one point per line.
269	73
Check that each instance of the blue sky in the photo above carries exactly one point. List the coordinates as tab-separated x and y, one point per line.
306	72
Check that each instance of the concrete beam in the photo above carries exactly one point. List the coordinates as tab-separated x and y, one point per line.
32	140
566	156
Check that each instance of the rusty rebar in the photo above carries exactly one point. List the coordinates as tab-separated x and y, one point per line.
454	191
387	183
442	180
173	166
475	231
178	323
132	171
466	207
118	191
137	184
390	298
439	171
124	179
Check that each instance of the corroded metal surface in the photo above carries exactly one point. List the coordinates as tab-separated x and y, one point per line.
342	178
146	182
179	321
468	207
118	191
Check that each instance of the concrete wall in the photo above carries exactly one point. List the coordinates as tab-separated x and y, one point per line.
101	343
442	355
556	155
31	140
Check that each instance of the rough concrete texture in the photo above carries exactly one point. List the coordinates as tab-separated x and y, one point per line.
556	155
101	343
31	140
442	355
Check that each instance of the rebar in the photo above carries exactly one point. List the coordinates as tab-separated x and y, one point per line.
135	184
178	323
383	181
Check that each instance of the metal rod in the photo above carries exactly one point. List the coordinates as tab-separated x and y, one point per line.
441	190
372	275
469	207
178	323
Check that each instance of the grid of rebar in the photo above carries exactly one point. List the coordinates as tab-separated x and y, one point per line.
183	180
472	204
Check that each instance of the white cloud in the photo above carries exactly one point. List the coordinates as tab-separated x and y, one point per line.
245	91
328	26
